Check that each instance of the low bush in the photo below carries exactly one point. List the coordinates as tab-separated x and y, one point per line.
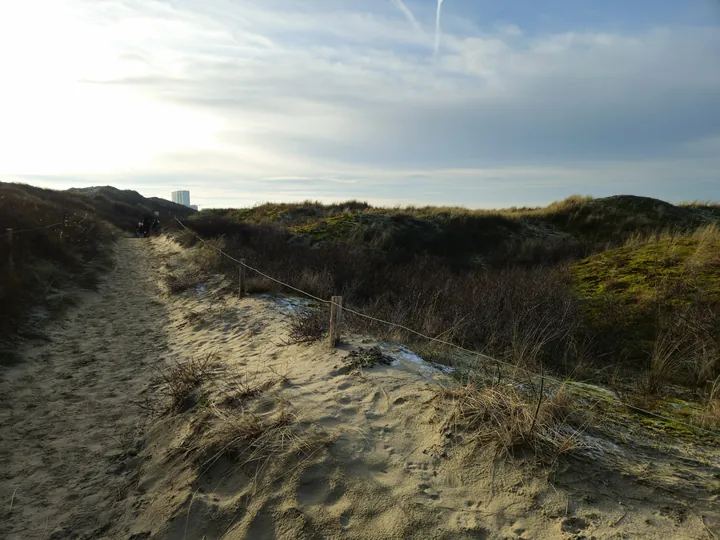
260	284
309	327
510	419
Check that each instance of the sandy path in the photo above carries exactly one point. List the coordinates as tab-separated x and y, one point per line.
69	414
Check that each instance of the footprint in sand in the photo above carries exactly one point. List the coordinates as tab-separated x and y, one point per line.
317	486
265	406
377	405
262	525
469	524
345	518
224	478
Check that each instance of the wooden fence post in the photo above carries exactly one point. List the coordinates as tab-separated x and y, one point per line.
335	312
243	285
10	243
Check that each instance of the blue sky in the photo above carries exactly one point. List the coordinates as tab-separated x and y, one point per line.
513	102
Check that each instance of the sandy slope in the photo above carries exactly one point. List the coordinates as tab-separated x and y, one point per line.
67	413
359	455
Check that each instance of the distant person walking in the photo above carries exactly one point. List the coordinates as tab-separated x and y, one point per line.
147	223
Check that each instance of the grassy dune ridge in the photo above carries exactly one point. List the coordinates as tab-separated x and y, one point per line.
587	288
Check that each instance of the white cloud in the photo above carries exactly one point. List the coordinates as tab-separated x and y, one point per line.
350	98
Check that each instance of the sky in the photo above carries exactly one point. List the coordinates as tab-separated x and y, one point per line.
494	103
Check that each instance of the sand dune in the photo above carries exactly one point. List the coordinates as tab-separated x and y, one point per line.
275	441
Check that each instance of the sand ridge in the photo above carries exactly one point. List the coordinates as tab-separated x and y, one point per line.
358	453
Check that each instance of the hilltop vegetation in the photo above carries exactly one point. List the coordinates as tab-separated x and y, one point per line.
594	289
60	237
572	228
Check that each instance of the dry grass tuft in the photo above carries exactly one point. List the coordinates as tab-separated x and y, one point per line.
666	360
309	327
707	252
208	255
260	284
239	390
319	283
258	430
180	385
508	419
259	443
185	238
177	282
710	416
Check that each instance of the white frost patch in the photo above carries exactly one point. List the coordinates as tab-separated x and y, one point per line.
285	306
288	306
427	369
409	355
201	288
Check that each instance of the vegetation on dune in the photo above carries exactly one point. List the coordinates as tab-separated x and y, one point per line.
125	208
566	230
584	287
645	275
658	299
59	237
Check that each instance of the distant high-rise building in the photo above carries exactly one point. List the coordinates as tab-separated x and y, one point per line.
181	197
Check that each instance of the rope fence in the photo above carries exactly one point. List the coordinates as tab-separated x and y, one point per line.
20	231
340	307
10	232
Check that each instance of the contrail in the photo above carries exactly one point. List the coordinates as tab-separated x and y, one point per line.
437	26
408	14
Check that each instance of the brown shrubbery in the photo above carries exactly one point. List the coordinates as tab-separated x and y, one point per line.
516	300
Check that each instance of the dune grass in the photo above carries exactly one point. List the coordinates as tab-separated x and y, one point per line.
510	420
